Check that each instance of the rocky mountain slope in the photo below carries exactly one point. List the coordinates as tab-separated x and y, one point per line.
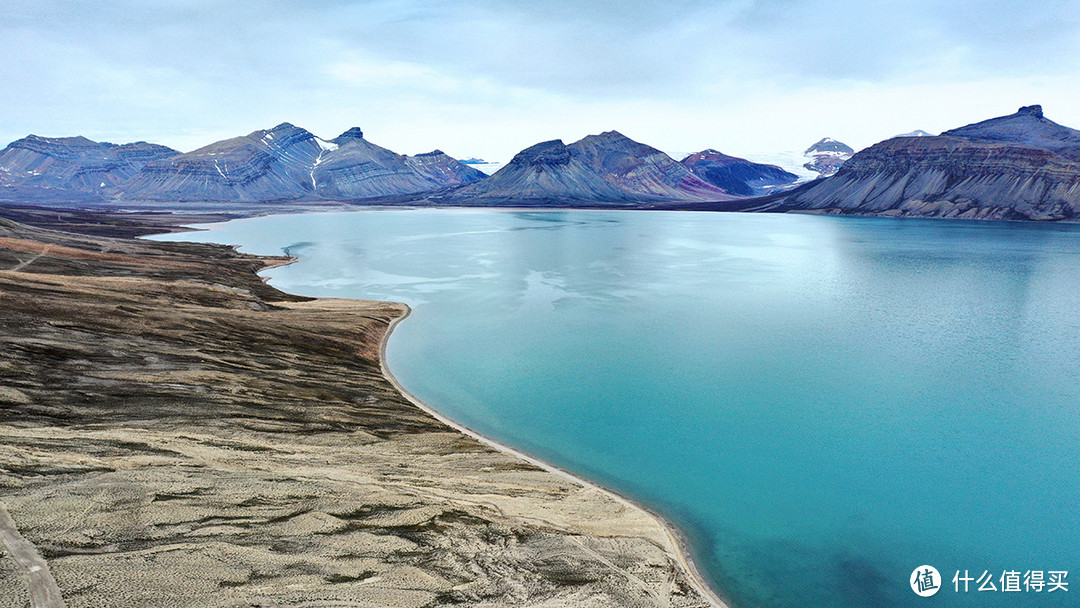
71	167
287	162
264	165
1027	127
1019	167
354	168
282	163
736	175
605	168
826	156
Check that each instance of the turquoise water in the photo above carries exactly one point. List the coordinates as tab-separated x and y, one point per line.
821	404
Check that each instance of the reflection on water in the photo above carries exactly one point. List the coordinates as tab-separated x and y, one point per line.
821	403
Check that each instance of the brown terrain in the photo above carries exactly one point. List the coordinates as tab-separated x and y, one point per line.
175	432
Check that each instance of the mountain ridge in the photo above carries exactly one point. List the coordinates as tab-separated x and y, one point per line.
78	167
608	167
282	163
1020	166
736	175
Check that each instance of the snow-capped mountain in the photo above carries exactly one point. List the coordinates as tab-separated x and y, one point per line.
826	156
915	133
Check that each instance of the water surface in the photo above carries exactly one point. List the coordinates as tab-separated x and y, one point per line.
821	404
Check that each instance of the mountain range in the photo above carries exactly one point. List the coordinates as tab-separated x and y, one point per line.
279	164
608	167
1017	167
71	167
287	163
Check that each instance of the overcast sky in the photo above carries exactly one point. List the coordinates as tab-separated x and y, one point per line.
488	78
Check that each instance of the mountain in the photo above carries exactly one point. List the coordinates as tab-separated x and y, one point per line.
826	156
289	163
354	168
1027	127
1017	167
283	163
264	165
609	167
915	133
71	167
736	175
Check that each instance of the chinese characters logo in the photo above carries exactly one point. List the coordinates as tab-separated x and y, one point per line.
925	581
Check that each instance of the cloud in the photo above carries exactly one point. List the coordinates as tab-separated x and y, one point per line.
498	75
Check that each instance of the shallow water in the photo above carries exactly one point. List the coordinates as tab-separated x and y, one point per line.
822	404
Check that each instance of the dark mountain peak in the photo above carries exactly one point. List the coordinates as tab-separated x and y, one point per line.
353	133
608	168
711	156
552	152
610	140
435	152
285	129
617	153
288	130
828	144
82	146
1035	110
1026	127
143	149
76	141
736	175
67	148
608	136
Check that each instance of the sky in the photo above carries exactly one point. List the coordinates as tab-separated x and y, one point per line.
490	77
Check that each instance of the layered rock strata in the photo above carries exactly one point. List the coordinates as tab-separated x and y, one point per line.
1017	167
737	175
605	168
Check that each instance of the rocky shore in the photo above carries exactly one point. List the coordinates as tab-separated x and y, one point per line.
175	432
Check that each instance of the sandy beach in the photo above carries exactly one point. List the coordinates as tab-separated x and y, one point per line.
675	544
175	432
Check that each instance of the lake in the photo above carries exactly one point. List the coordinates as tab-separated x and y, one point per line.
820	404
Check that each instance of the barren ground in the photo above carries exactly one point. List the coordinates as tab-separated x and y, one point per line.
174	432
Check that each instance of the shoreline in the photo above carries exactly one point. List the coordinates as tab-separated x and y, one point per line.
252	436
680	550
